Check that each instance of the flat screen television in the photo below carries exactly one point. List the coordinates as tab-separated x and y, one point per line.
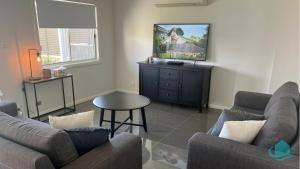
181	41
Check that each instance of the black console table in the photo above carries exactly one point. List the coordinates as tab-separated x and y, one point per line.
187	84
36	82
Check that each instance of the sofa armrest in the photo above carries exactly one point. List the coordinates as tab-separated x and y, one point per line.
9	108
252	100
13	155
210	152
124	151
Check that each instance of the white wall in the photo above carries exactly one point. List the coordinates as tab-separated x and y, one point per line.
285	19
253	44
18	33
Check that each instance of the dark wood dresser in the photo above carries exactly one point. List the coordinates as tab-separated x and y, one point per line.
187	84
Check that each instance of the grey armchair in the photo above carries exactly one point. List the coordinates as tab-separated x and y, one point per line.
210	152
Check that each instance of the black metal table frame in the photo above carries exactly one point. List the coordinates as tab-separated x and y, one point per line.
113	120
35	83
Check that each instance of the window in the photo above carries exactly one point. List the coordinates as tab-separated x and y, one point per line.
67	45
67	31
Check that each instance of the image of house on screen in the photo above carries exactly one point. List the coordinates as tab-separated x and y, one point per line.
181	41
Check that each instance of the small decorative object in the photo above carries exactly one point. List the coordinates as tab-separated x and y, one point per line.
59	72
281	151
46	73
38	59
150	59
195	61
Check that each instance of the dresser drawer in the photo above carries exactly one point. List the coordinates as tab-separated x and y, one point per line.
169	74
168	96
168	84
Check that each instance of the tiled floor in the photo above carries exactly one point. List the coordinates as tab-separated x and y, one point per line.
169	128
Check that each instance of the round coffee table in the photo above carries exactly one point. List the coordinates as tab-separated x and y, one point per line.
119	101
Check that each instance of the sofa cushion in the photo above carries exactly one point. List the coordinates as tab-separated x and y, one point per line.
9	108
289	90
281	124
249	110
56	144
86	139
241	131
233	115
16	156
78	120
295	147
35	122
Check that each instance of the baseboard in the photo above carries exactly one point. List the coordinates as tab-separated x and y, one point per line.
221	107
127	91
92	97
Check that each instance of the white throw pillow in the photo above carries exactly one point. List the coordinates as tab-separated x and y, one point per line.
79	120
241	131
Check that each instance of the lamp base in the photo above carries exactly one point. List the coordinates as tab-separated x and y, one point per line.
34	78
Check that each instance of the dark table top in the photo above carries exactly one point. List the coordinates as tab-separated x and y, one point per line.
185	65
121	101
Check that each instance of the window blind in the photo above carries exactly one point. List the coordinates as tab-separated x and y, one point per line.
65	14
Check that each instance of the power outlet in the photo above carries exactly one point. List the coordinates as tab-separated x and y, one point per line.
39	103
132	85
3	45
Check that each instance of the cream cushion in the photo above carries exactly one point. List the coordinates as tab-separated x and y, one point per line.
79	120
241	131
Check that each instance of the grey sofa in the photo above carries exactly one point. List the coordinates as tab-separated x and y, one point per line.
281	111
30	144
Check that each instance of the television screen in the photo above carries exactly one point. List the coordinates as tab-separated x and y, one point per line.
180	41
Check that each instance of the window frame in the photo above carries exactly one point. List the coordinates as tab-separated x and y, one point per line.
93	61
79	63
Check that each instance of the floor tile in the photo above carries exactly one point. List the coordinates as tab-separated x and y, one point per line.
169	128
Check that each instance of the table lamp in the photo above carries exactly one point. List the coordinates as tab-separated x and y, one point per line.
38	59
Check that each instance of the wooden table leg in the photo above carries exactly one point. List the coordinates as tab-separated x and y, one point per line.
112	123
130	115
144	119
101	117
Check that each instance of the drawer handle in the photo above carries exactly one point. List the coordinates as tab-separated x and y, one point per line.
168	84
168	94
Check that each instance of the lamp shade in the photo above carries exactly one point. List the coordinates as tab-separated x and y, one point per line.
34	64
